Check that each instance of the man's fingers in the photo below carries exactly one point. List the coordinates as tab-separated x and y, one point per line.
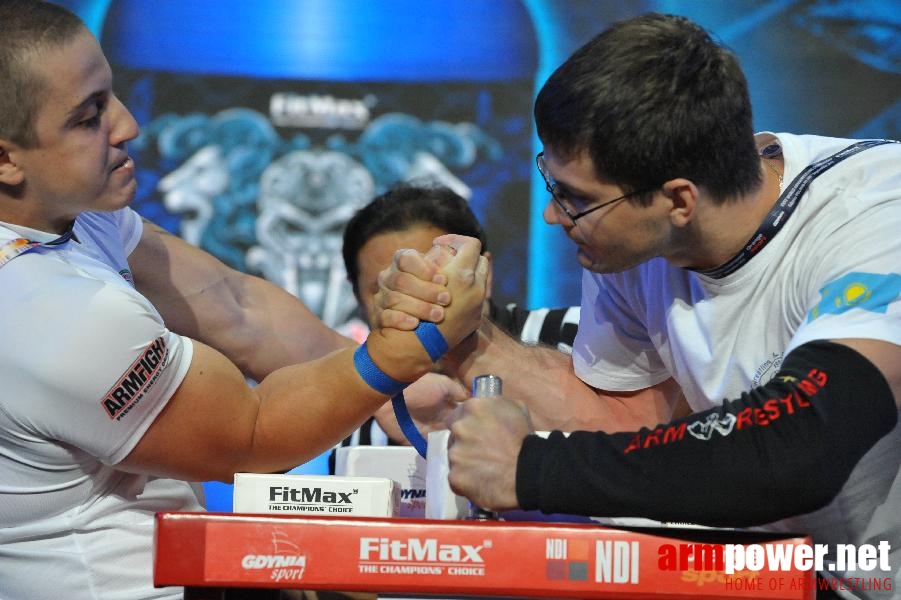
401	283
475	277
466	251
440	254
395	319
410	261
468	266
403	293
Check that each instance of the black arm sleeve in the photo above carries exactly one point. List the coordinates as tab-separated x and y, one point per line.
782	449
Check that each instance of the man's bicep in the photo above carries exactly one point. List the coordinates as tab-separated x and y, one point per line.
206	427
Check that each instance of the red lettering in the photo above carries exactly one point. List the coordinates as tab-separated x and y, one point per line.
808	387
652	437
787	403
744	419
656	437
772	409
760	417
667	557
635	444
802	402
673	434
685	552
819	376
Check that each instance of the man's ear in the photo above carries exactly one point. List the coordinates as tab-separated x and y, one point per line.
10	172
683	196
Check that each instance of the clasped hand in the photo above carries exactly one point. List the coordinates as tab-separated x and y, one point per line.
446	286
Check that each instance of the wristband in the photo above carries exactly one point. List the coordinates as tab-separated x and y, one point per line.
374	376
435	345
432	340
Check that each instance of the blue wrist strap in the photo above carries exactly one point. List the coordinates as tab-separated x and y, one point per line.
431	339
435	345
373	376
407	426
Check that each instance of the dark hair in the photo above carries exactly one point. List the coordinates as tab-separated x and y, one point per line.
28	28
401	208
651	99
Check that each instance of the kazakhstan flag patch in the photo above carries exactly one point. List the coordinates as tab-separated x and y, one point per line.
867	291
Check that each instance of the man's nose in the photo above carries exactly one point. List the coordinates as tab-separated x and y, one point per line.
552	214
125	127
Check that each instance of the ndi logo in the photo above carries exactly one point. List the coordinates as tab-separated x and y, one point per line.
616	562
566	559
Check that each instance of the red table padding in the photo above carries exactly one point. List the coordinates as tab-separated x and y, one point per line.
482	558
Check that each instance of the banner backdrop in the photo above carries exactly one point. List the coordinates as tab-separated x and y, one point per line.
267	124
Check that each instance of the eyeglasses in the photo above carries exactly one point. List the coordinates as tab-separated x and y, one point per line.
562	200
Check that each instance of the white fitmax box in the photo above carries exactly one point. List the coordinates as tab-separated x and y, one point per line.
316	495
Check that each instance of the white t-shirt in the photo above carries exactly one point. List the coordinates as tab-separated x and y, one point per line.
86	364
833	271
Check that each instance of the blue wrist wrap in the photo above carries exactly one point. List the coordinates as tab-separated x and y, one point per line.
373	376
431	339
435	345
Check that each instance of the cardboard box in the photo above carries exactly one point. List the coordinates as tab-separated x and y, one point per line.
316	494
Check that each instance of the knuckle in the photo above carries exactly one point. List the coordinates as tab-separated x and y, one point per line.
406	259
405	282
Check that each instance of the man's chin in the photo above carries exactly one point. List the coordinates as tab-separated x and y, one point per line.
121	198
597	265
587	261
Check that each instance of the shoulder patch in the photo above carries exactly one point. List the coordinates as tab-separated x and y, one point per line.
132	386
866	291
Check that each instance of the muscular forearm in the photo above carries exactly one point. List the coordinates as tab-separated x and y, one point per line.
268	329
256	324
543	379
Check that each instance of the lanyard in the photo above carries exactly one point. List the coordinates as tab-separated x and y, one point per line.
784	208
20	246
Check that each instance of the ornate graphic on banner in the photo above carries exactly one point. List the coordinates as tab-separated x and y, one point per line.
277	206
